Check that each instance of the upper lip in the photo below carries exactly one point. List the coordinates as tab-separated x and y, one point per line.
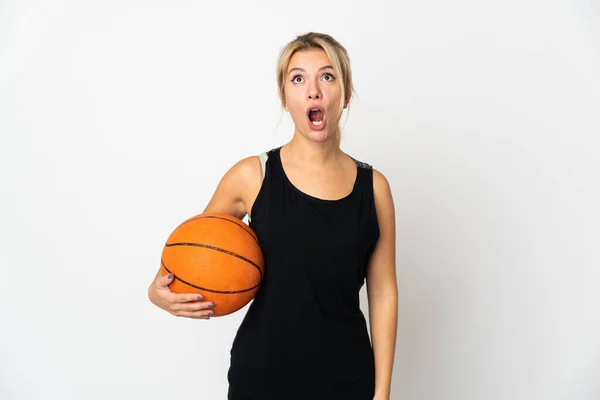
315	108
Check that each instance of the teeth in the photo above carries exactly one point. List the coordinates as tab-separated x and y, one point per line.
316	122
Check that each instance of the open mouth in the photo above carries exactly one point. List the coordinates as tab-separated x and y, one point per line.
316	117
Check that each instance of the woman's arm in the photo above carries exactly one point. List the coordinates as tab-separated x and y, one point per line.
234	194
382	289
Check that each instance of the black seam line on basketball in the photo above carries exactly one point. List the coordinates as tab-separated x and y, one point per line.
206	289
231	253
224	219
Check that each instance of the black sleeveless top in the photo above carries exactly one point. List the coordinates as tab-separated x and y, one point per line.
304	335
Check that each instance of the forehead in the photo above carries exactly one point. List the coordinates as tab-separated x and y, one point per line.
309	59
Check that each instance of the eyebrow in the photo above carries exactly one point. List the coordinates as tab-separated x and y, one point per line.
300	69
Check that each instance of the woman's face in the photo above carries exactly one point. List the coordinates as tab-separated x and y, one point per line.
313	94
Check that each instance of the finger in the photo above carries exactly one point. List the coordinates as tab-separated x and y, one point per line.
204	314
187	297
164	281
192	306
177	298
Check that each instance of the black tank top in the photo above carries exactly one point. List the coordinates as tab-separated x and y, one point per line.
304	335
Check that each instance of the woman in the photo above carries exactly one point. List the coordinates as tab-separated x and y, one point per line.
325	223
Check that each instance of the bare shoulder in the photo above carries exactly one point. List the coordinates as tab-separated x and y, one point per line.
248	170
381	185
251	172
237	186
384	202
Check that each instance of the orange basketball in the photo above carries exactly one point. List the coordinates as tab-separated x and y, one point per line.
215	255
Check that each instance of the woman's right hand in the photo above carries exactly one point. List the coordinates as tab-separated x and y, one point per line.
178	304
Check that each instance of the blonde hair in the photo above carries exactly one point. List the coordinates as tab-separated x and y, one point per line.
337	55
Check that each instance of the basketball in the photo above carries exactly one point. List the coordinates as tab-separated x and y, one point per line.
215	255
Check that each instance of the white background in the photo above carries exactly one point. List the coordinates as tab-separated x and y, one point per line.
118	118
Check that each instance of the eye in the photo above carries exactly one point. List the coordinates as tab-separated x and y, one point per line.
331	77
294	79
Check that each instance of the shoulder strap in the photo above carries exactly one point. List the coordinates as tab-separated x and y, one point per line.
361	164
263	161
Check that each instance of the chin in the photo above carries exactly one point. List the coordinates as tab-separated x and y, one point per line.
318	136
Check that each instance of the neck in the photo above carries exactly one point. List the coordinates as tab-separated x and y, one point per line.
304	151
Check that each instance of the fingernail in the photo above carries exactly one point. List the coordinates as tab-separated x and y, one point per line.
170	276
211	313
211	305
200	297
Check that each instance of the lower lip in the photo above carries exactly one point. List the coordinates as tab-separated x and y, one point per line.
317	127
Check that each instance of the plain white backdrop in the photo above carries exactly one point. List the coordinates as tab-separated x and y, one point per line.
118	118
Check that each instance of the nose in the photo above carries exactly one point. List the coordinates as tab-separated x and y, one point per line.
313	92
